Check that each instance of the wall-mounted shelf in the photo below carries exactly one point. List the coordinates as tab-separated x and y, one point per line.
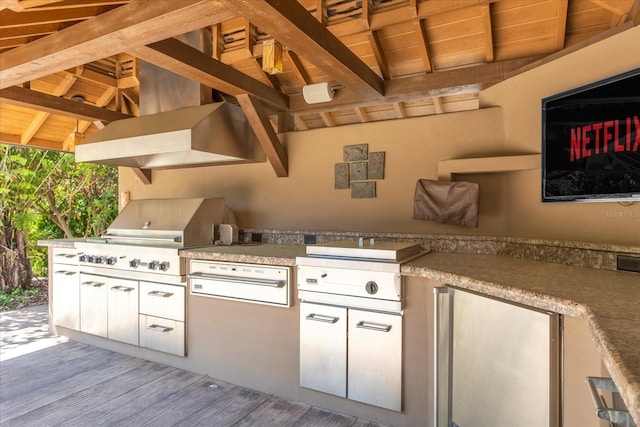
446	168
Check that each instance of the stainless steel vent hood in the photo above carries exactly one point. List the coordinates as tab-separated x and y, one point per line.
174	129
201	135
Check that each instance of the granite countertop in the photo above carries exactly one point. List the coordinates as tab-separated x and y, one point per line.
284	255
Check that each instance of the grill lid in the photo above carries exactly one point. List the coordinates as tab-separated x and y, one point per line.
169	222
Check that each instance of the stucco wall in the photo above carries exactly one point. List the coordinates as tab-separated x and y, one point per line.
510	202
520	99
307	200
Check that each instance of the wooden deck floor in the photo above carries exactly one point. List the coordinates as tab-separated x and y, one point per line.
50	381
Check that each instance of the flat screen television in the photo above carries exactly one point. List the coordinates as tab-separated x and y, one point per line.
591	142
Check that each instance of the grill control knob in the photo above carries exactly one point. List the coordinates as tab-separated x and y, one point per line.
99	260
92	259
112	260
164	266
135	263
371	287
83	258
153	265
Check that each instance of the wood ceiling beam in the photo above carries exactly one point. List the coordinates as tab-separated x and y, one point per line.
378	53
47	144
485	13
298	67
56	105
21	5
83	125
400	111
440	83
292	25
138	23
259	122
562	6
63	87
189	62
13	19
423	44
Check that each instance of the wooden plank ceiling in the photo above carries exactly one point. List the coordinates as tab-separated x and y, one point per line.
71	65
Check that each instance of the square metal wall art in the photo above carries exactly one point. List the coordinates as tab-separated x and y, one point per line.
359	171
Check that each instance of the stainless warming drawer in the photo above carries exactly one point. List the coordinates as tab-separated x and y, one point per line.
260	284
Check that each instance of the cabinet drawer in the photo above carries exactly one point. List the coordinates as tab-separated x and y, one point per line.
162	334
65	256
162	300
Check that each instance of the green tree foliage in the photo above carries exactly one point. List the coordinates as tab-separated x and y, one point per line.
45	195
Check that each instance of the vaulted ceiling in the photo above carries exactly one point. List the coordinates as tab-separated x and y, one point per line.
72	65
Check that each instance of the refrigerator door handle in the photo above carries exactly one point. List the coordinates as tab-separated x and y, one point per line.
443	318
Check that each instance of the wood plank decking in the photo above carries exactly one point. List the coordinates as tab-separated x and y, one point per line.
51	381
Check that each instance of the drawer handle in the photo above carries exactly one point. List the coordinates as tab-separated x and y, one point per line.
322	318
94	284
373	326
66	255
241	280
160	294
159	328
66	273
122	288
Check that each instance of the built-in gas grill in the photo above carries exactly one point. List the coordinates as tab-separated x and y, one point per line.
143	242
132	281
351	302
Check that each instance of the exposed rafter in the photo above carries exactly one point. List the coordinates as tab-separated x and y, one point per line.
292	25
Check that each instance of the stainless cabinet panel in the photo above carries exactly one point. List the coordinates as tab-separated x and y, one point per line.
162	300
66	296
375	358
93	304
323	348
123	310
162	334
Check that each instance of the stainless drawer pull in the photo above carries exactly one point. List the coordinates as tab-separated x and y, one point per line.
159	328
94	284
322	318
66	273
122	288
373	326
160	294
242	280
67	255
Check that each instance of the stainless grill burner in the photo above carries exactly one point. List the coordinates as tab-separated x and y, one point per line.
143	242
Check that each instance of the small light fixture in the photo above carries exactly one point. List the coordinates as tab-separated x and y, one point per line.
272	56
77	137
317	93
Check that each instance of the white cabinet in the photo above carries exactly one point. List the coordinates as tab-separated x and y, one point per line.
162	317
122	321
323	348
352	353
66	295
93	304
375	358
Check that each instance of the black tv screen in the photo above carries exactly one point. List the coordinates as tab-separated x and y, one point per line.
591	142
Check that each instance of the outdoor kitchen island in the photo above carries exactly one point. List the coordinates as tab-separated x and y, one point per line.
257	346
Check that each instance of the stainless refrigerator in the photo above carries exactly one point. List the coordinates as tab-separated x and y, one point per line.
496	363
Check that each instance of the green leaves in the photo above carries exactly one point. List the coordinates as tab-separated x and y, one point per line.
47	195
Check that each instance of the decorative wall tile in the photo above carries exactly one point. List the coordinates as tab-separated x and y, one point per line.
342	176
353	153
363	190
376	165
358	171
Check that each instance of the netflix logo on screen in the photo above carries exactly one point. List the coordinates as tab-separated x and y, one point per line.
591	141
596	138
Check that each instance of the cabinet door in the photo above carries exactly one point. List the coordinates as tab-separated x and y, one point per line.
161	300
66	296
123	310
93	304
375	358
323	348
